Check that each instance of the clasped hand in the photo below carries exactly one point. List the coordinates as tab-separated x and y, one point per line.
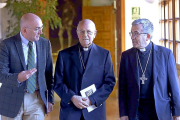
81	102
176	117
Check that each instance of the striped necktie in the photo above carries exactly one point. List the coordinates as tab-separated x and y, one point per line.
31	83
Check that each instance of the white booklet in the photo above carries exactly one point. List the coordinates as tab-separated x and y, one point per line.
87	92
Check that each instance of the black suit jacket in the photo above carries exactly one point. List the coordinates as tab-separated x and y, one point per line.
69	80
165	83
12	62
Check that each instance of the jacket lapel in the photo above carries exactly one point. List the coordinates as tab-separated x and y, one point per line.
76	58
134	64
39	52
156	57
19	48
92	57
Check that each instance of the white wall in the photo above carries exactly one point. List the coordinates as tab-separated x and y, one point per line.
101	2
147	10
4	16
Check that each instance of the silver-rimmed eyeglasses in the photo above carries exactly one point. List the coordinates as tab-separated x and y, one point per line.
82	32
37	29
135	34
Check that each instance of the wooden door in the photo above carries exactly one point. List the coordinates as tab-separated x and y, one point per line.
103	17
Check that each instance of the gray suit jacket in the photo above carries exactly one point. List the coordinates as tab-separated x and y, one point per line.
12	62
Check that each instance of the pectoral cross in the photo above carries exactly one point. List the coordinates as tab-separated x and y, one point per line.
143	78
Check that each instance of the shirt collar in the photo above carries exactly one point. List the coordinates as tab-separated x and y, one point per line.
146	49
24	40
89	48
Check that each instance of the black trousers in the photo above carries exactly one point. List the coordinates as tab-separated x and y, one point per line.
82	117
146	110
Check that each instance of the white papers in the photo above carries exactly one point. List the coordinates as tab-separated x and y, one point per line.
87	92
0	85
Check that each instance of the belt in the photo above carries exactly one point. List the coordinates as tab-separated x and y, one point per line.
25	90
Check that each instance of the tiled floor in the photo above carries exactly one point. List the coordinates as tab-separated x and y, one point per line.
111	104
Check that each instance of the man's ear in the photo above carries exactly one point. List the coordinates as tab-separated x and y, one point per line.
23	30
95	33
148	36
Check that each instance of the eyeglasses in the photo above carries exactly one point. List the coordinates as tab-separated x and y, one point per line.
82	32
135	34
36	29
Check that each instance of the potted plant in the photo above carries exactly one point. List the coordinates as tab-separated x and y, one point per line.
45	9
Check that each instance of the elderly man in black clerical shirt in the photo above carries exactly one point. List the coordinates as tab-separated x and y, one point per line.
84	77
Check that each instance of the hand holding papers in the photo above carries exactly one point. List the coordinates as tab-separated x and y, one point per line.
87	92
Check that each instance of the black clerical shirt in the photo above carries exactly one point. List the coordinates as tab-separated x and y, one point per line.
85	55
146	89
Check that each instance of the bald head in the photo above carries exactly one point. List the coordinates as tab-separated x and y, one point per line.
31	27
28	19
87	22
86	32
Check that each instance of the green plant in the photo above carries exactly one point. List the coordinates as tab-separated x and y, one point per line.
45	9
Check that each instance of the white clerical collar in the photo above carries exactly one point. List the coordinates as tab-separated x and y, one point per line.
85	49
142	49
